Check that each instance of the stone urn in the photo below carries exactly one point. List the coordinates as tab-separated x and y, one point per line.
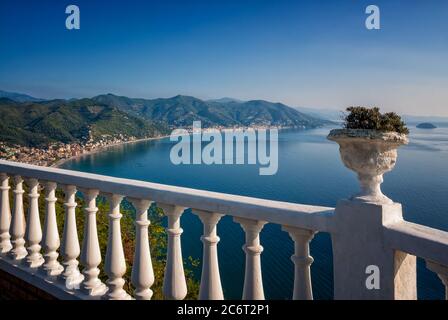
370	154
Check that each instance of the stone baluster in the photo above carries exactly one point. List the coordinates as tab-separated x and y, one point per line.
253	281
302	262
70	244
441	271
51	268
91	254
18	251
174	283
5	215
142	272
115	264
210	288
33	234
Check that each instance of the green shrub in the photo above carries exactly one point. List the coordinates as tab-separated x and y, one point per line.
372	119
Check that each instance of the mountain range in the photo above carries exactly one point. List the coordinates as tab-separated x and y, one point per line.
34	122
181	111
19	97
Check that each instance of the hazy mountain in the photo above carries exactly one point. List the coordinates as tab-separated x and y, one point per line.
260	112
183	110
34	124
18	97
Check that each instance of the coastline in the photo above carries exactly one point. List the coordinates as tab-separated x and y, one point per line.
60	162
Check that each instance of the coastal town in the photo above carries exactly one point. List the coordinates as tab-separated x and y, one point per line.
55	153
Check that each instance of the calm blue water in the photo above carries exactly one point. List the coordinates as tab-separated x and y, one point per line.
310	172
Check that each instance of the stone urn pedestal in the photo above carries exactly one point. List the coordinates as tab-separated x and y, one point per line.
363	268
370	154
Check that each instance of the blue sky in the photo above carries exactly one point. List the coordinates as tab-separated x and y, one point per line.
303	53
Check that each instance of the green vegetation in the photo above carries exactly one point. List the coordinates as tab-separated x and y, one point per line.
39	124
373	119
157	239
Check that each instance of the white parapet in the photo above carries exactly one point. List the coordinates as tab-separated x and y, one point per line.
368	235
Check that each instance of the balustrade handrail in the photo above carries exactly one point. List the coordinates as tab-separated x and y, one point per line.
278	212
418	240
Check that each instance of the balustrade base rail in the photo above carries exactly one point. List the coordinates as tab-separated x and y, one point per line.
56	289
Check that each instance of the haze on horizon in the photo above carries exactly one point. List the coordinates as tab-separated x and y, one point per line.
301	53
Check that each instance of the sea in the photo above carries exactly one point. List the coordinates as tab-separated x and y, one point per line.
309	172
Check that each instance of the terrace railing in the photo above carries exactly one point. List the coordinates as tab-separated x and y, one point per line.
363	235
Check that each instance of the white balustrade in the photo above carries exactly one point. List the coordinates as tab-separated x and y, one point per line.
383	229
115	264
91	254
210	288
441	271
33	233
174	283
302	262
253	281
5	215
70	244
18	251
142	272
51	242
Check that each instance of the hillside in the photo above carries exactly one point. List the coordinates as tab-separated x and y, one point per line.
36	124
260	112
183	110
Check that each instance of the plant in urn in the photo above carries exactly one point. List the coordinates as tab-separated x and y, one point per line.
368	145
